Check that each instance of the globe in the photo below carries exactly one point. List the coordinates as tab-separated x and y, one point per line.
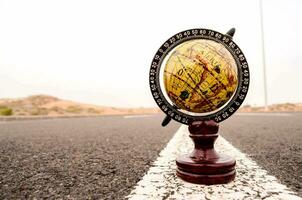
200	76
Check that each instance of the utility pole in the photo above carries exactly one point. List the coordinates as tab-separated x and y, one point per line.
263	56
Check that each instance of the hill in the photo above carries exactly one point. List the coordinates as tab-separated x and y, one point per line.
45	105
284	107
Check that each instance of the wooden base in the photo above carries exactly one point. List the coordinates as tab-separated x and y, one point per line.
204	165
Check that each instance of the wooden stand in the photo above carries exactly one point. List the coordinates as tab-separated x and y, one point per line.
204	165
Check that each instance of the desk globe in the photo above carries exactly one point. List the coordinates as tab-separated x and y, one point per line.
200	77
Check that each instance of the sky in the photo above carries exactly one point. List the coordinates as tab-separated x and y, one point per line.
100	52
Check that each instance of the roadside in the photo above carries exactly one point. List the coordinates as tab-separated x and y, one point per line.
49	107
13	118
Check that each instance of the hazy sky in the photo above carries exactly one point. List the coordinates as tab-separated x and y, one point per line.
100	51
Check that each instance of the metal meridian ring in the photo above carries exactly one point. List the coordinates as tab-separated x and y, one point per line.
191	34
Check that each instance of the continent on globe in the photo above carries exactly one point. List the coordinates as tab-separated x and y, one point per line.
200	76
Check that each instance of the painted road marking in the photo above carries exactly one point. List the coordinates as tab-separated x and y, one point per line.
136	116
265	114
251	182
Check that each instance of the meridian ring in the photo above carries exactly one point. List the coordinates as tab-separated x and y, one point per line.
191	34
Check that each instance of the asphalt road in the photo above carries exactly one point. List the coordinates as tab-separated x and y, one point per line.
104	157
78	158
273	141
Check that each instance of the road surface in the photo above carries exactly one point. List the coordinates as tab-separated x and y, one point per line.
274	141
104	157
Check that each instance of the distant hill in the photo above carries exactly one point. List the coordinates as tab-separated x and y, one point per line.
284	107
45	105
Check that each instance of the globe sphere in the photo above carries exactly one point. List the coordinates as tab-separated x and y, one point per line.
200	76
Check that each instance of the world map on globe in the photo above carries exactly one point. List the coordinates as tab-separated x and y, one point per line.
200	76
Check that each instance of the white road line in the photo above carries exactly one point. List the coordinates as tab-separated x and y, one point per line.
251	181
264	114
136	116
